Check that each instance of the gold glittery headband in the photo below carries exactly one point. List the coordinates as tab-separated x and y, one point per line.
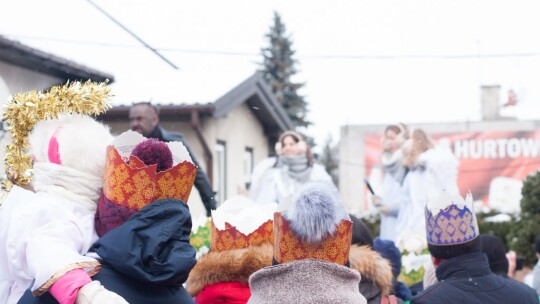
24	110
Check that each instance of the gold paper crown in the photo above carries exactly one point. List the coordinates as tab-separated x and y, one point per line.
230	238
288	248
136	185
24	110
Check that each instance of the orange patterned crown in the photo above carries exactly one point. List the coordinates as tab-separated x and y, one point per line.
230	238
136	185
288	248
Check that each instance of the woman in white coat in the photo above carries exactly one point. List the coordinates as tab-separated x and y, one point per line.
279	177
393	194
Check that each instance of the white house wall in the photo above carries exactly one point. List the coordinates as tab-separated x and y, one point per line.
19	79
238	129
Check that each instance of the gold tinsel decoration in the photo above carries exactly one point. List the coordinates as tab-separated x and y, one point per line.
24	110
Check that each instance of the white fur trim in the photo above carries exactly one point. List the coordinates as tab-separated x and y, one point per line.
82	142
436	204
316	211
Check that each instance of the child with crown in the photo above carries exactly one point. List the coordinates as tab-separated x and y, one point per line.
143	220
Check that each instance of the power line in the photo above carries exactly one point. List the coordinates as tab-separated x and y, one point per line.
306	57
133	34
115	45
426	56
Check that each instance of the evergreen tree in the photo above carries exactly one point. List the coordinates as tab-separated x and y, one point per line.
330	160
523	234
278	67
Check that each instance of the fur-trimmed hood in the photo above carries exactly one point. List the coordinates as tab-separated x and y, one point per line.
372	266
228	266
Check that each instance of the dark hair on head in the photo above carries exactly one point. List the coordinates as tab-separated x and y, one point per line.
360	232
495	251
297	137
538	243
147	103
451	251
399	128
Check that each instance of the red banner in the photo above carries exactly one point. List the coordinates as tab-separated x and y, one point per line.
491	163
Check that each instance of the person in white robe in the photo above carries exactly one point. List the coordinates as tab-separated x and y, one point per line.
431	169
393	194
46	232
278	177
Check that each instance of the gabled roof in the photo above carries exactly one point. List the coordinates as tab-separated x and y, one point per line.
254	91
261	100
18	54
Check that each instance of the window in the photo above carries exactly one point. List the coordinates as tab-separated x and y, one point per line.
248	165
220	174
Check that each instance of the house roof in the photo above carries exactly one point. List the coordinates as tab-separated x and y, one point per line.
166	111
254	91
24	56
260	99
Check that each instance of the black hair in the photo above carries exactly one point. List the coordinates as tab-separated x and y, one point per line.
451	251
147	103
495	250
360	233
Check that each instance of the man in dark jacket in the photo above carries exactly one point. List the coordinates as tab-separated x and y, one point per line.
144	118
462	269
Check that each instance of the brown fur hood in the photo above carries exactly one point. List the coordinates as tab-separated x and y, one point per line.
372	266
228	266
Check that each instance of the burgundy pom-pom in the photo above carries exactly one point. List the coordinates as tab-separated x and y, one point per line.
153	151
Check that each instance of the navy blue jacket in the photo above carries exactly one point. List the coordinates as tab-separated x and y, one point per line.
467	279
146	259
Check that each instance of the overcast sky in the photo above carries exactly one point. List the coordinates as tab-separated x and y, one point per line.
363	62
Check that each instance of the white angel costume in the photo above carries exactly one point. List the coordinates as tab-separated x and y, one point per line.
275	179
436	170
47	233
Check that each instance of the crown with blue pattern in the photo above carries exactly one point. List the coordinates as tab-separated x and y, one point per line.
450	220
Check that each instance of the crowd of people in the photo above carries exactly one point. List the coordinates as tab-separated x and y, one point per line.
106	220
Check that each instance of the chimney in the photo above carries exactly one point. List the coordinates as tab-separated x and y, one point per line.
490	102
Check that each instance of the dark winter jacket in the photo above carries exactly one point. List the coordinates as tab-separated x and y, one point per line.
146	259
201	182
467	279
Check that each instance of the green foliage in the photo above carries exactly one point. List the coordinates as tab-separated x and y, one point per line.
523	234
373	222
412	277
202	237
278	67
498	229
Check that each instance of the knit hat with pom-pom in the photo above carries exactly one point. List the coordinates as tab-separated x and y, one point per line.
313	225
152	151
